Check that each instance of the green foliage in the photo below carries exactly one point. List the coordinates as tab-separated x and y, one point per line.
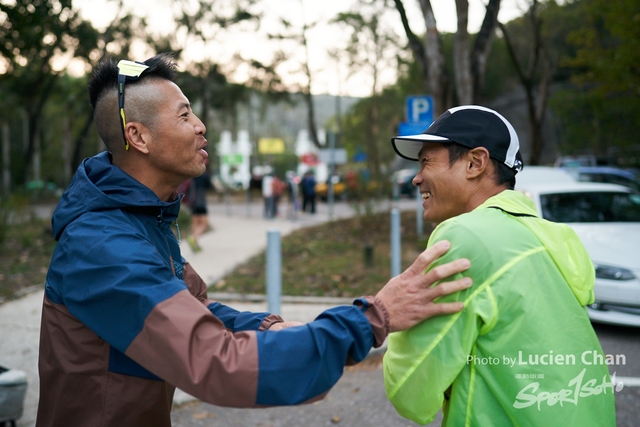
281	162
32	35
591	124
598	112
26	246
357	127
607	57
11	208
499	74
35	31
211	16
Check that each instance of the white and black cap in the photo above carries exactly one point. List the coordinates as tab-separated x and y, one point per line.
471	126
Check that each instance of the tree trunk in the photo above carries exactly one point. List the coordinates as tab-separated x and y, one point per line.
6	160
34	112
416	46
469	68
374	152
482	48
461	60
66	149
311	117
538	65
438	78
78	146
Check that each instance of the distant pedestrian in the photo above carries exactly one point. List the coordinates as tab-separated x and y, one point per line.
292	190
309	192
199	219
267	195
278	188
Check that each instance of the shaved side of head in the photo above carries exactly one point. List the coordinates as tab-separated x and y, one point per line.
140	99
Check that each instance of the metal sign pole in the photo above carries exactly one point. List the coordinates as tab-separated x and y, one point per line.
274	271
395	242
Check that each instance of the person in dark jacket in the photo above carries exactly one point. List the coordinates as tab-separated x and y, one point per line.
125	317
198	189
309	192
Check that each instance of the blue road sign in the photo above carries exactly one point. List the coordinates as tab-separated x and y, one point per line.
420	109
405	128
360	156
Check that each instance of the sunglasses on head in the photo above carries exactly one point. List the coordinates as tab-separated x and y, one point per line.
127	70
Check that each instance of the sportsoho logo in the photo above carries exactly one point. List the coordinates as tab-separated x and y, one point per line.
576	389
531	367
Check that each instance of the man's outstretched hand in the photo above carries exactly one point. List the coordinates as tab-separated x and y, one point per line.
408	298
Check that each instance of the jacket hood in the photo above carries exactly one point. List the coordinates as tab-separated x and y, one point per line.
560	240
98	185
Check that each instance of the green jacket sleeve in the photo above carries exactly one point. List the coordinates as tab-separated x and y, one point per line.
423	362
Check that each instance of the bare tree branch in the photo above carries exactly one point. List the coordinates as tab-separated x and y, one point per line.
461	60
482	47
414	43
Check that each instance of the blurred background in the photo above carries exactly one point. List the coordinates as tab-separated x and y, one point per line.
305	75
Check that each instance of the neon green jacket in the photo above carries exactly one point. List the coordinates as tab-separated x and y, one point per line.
522	352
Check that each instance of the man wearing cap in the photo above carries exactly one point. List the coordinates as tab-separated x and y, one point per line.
523	351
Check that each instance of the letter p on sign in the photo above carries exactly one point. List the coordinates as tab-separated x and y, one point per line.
420	109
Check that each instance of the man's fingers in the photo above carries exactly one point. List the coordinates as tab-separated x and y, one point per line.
445	270
408	298
446	288
435	309
445	308
428	256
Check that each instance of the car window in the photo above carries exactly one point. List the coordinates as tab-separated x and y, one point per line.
591	207
610	179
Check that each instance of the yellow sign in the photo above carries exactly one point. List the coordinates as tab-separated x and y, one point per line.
270	146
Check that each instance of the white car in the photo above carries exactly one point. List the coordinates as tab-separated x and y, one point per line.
606	217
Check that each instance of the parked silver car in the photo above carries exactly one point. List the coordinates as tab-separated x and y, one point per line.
606	217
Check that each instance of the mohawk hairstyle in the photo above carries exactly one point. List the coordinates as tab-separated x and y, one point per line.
105	74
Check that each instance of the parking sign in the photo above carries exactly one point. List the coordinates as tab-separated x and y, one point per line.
420	109
419	115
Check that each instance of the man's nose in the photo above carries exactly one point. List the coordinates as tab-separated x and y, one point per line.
200	127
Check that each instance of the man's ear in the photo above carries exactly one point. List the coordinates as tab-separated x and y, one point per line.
138	136
478	160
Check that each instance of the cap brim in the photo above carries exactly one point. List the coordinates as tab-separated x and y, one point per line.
409	146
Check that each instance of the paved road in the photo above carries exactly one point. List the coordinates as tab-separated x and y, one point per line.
358	400
625	343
